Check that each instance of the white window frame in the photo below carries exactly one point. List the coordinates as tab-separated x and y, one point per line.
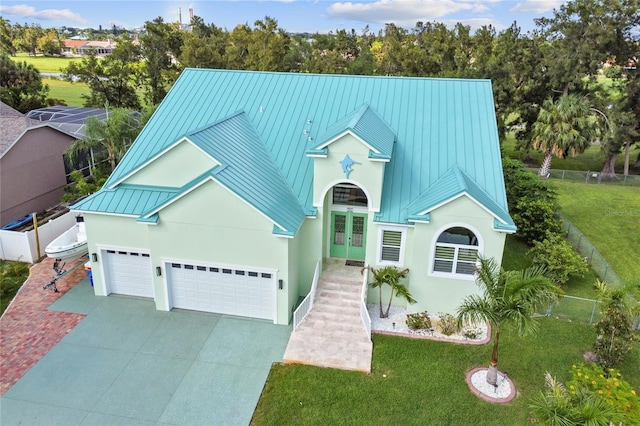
434	244
403	245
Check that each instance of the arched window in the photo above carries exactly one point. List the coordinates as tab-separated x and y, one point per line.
456	252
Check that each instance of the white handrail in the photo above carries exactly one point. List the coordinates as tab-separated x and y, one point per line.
364	313
306	305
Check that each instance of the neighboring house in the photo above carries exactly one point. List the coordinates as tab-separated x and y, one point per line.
242	181
33	171
101	48
71	47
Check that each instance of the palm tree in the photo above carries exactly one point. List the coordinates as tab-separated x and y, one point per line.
508	297
113	135
563	127
391	276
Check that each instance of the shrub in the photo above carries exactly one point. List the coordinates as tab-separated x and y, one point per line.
448	324
614	331
535	218
532	201
418	321
556	254
471	332
593	395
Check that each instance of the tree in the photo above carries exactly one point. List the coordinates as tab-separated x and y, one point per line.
49	43
391	276
614	330
508	297
160	43
21	86
113	79
267	47
563	127
581	35
559	258
113	136
6	38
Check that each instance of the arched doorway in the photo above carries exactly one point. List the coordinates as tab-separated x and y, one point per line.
349	208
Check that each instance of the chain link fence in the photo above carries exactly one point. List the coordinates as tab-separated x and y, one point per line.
591	254
591	177
580	309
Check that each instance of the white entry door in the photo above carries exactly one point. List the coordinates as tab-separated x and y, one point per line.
129	272
242	291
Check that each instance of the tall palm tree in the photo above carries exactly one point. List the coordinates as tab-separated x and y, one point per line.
563	127
508	297
391	276
112	136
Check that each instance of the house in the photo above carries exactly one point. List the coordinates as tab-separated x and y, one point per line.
33	170
101	47
242	181
71	46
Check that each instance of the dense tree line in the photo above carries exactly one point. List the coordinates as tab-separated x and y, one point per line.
562	56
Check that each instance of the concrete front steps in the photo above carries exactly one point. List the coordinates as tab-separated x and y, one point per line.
332	334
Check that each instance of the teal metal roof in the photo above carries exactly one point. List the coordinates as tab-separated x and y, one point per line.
452	184
366	124
437	123
249	170
127	200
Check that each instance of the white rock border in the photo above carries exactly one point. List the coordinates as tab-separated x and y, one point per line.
396	325
504	392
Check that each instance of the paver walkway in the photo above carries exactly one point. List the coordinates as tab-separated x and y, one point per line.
27	329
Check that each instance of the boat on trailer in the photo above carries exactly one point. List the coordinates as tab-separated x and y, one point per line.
72	244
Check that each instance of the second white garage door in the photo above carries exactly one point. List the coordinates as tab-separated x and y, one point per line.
234	291
129	272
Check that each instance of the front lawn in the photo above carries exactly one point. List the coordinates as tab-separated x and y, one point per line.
609	216
423	382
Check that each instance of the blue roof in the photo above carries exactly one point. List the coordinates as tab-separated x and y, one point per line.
436	124
125	199
452	184
366	124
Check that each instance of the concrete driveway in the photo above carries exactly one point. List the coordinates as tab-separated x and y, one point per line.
126	363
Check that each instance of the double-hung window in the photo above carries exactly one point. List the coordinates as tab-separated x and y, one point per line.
456	252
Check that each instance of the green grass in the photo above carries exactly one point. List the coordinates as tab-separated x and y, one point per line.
591	159
12	276
70	93
45	63
609	216
422	382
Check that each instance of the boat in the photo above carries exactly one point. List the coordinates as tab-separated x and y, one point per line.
18	222
72	244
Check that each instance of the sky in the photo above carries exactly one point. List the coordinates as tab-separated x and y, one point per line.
292	15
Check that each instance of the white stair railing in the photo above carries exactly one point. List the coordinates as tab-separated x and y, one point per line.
364	313
306	305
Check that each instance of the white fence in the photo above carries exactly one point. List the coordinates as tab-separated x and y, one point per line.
364	312
23	246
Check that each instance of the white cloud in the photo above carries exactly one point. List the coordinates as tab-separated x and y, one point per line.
536	6
25	11
401	12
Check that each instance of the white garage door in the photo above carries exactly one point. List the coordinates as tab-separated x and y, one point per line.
129	272
244	292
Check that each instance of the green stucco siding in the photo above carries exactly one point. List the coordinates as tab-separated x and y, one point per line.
174	168
196	228
112	232
439	294
367	174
